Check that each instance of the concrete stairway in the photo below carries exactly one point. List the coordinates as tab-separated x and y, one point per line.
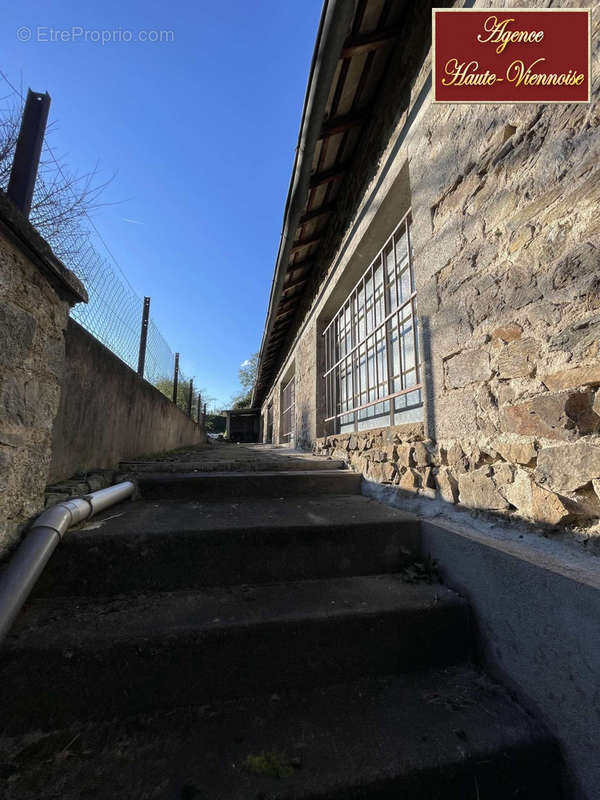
255	635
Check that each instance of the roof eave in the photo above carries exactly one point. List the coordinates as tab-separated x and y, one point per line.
335	22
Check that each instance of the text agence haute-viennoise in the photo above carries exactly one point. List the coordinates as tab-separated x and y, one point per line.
467	73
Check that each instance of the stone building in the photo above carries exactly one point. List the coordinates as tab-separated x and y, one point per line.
434	317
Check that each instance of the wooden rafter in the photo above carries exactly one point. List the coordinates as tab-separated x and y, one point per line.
284	314
327	175
293	286
341	124
305	264
365	42
300	244
287	303
315	213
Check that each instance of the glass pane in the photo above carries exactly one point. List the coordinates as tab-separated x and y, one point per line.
371	368
394	347
401	250
410	378
390	278
404	287
369	305
408	345
378	273
379	307
362	362
382	364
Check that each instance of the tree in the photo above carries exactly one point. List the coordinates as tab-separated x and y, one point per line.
215	423
165	386
247	372
247	375
243	400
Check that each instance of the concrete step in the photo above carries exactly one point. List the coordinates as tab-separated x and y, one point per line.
81	658
237	485
260	464
449	734
149	547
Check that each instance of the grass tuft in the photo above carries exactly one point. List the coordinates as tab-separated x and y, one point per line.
275	764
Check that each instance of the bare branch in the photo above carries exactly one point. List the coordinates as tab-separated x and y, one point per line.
61	198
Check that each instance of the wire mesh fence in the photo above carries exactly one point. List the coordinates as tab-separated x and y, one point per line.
114	312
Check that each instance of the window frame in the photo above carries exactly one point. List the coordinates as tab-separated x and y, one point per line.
364	339
288	413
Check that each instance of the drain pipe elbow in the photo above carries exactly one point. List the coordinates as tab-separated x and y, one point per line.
46	533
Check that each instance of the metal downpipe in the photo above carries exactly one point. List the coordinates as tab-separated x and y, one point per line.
32	555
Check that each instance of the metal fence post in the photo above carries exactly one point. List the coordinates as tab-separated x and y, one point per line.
189	403
27	152
175	377
198	408
143	337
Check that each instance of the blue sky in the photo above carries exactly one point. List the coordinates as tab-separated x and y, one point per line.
201	133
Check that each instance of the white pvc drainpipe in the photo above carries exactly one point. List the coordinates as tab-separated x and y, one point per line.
32	555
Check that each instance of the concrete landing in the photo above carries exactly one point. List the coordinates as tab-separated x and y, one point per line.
224	457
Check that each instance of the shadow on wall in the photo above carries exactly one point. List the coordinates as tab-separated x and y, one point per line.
478	476
549	482
107	413
426	362
303	438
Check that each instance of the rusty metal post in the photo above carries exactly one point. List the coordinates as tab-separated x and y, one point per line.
28	150
189	403
143	337
175	378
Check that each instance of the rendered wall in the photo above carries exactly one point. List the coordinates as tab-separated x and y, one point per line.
536	606
108	414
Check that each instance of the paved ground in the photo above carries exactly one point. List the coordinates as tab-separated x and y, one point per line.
223	456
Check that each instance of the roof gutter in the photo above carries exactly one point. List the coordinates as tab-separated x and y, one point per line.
336	19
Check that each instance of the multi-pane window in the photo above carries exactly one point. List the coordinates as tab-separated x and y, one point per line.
288	412
372	372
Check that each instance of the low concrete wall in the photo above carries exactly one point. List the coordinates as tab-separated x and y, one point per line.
536	604
107	413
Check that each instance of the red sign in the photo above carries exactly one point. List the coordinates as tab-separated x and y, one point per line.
511	55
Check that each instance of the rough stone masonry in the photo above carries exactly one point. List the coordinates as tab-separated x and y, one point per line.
36	292
506	240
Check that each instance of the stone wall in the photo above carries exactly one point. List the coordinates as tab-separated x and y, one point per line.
507	252
396	455
108	414
35	294
506	244
306	388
